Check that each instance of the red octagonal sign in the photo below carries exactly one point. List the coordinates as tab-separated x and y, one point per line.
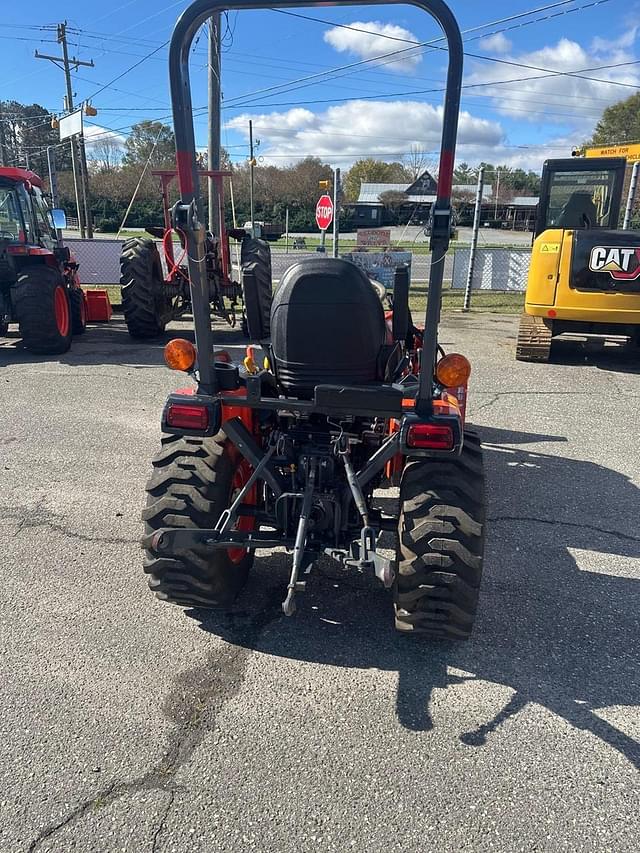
324	212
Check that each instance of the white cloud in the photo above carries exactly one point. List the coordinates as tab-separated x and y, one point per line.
628	39
571	101
497	43
95	135
350	131
375	42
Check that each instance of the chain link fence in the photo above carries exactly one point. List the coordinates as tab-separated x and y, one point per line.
494	269
99	261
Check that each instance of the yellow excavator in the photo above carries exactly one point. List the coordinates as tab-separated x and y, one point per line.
584	276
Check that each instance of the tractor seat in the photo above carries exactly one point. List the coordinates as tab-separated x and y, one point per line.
327	327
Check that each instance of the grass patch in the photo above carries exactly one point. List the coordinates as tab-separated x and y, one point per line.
482	301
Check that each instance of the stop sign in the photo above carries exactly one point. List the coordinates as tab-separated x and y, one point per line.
324	212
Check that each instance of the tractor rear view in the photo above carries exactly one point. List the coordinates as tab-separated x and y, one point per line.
39	285
155	283
585	271
289	449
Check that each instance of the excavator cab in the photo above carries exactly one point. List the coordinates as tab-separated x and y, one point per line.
581	193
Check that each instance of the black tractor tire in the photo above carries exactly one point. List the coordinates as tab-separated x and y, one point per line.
441	535
145	307
41	306
257	287
78	307
190	487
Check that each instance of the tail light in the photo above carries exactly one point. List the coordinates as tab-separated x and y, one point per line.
430	436
187	416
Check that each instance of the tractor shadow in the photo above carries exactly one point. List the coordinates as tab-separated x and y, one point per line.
558	615
110	344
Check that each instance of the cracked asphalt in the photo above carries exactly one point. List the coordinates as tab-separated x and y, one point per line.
130	725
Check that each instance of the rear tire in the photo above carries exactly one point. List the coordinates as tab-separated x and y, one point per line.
146	309
41	305
257	288
78	308
191	486
441	534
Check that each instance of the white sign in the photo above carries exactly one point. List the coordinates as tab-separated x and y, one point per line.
380	265
71	125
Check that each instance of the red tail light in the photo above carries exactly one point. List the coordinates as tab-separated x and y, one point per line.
430	437
187	416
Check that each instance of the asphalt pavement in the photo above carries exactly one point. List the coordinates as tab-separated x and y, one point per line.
130	725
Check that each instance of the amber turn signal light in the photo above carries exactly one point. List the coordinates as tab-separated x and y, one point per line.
180	355
453	370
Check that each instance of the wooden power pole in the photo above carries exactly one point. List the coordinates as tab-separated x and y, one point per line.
77	164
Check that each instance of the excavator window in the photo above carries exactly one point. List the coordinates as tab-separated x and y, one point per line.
580	194
580	199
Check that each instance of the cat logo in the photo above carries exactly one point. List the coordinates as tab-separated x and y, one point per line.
622	264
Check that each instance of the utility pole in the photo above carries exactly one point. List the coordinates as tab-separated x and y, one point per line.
53	184
631	198
65	63
495	212
337	191
474	240
214	120
3	142
252	163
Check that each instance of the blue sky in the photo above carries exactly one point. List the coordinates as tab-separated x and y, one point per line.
352	113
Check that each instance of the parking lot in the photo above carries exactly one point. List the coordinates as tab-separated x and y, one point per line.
129	725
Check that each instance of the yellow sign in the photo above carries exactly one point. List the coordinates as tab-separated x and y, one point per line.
550	249
631	152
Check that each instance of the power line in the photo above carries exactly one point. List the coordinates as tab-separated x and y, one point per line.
433	44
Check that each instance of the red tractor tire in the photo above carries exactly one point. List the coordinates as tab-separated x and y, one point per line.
41	304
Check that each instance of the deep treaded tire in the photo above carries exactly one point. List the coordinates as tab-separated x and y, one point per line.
146	310
78	308
441	542
535	335
190	487
257	288
41	306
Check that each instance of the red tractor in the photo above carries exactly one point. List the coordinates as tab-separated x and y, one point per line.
151	297
39	285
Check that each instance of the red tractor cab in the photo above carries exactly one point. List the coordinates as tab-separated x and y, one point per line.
39	285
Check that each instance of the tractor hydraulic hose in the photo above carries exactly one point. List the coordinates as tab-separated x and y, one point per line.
174	266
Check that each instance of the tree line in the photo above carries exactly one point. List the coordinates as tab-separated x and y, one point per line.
116	170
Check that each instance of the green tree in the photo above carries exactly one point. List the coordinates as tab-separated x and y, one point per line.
150	141
619	123
25	133
463	174
372	172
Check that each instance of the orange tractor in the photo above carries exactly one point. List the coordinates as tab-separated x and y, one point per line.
288	449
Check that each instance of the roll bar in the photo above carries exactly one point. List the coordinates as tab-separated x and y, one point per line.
189	212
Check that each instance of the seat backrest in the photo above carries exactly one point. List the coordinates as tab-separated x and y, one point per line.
327	326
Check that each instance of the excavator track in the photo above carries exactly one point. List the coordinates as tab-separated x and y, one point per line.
534	339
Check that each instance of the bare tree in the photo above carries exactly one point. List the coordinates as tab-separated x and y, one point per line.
416	161
105	153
